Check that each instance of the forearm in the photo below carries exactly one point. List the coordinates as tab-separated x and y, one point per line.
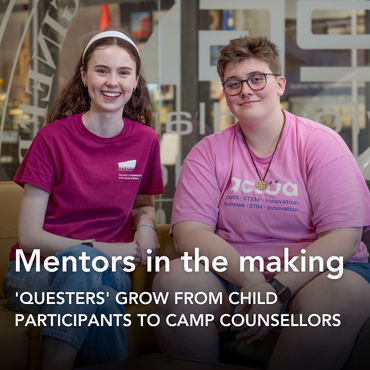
143	214
145	236
48	243
31	233
340	242
210	245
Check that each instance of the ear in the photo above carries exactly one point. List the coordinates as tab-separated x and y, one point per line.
83	75
281	85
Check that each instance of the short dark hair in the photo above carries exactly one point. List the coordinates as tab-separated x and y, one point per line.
249	47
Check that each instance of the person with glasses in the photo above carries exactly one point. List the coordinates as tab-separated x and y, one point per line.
279	189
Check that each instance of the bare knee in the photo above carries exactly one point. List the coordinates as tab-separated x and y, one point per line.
184	287
177	279
171	282
348	296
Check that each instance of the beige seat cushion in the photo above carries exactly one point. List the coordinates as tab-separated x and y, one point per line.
20	347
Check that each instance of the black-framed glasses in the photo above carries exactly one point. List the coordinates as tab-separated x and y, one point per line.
256	82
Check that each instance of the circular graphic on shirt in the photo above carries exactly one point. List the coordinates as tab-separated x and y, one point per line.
261	185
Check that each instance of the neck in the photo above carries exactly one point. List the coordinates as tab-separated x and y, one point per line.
103	124
263	136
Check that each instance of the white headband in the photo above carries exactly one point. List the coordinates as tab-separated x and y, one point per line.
105	34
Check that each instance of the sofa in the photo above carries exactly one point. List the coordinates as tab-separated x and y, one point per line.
21	349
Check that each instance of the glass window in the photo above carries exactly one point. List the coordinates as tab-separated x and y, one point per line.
323	53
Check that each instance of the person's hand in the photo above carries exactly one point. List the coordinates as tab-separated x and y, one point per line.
256	332
130	249
146	238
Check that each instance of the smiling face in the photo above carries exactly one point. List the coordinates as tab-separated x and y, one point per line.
252	105
110	78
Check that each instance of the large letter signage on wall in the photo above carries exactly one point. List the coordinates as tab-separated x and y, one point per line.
38	83
208	38
307	40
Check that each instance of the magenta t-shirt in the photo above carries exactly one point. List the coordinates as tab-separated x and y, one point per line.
314	185
92	181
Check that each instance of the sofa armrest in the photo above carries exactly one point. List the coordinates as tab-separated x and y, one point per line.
10	203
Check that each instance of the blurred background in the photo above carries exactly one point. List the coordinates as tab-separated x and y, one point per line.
324	49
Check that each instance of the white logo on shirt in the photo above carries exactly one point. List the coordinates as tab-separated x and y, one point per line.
127	166
289	189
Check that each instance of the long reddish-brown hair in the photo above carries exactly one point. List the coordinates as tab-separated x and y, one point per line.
74	97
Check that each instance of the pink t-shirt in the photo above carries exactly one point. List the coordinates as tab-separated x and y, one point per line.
92	181
314	183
